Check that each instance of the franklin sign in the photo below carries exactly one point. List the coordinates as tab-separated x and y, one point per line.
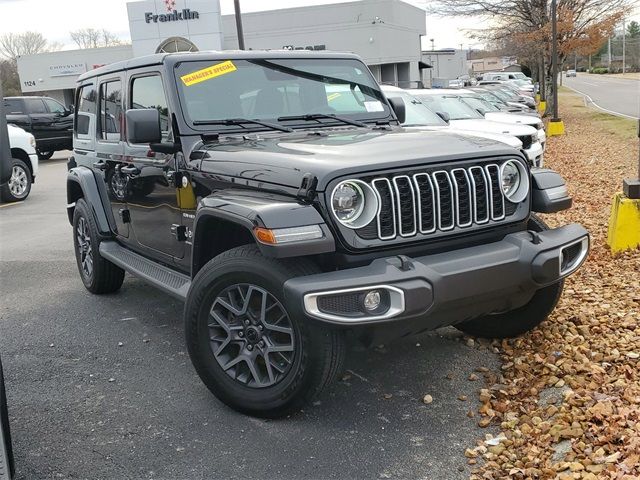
176	16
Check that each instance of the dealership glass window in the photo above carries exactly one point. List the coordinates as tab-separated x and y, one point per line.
35	105
55	107
13	106
86	117
110	110
147	92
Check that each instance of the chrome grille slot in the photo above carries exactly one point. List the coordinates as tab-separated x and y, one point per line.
426	203
439	200
406	200
445	200
386	218
480	190
462	190
495	190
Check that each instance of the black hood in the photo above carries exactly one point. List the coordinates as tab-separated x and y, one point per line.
284	159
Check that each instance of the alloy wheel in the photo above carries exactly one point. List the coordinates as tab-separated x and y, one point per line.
251	335
19	182
84	247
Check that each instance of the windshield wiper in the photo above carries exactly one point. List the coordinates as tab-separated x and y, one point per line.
318	116
240	121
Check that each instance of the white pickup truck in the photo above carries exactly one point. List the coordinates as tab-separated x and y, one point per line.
24	165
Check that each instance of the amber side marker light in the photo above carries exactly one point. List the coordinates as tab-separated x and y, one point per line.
279	236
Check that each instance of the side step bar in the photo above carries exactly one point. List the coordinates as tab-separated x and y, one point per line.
164	278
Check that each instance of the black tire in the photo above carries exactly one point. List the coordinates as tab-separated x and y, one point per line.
44	154
316	356
521	320
102	276
19	185
4	425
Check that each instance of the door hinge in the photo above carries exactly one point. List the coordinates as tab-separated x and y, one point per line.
125	215
179	231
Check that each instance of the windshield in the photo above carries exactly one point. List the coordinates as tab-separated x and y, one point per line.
268	89
416	112
454	106
480	104
490	97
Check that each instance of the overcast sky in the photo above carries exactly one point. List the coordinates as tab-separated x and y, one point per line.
54	18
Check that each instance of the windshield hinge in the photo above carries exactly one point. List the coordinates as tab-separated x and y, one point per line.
307	190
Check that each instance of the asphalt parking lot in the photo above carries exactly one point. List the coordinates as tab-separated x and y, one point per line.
102	387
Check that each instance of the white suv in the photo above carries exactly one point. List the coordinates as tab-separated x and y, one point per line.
24	165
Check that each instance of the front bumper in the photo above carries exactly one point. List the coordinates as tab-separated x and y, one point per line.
446	288
534	154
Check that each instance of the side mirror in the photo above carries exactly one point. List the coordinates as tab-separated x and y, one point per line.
444	116
70	109
143	126
397	104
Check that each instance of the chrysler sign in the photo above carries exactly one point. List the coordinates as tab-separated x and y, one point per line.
175	16
67	69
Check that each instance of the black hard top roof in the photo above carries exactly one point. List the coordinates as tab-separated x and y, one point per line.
174	58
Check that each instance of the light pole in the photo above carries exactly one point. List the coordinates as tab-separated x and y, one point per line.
556	127
5	151
624	49
236	4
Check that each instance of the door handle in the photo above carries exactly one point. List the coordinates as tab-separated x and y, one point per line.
100	165
131	171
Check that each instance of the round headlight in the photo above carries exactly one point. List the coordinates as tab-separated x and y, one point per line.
514	181
354	203
347	201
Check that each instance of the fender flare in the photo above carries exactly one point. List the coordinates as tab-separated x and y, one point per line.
85	179
248	210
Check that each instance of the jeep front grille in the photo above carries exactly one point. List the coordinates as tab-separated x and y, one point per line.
441	200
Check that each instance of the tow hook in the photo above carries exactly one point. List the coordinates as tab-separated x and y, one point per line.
535	238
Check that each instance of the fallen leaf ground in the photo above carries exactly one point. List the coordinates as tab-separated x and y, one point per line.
567	400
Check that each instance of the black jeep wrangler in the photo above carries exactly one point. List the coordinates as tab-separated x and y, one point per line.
276	194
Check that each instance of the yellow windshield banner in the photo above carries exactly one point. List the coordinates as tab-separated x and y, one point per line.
208	73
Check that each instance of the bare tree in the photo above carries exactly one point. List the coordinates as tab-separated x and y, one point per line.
94	38
13	45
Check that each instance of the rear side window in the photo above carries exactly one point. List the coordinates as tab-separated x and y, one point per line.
110	110
147	92
86	116
54	107
13	106
35	105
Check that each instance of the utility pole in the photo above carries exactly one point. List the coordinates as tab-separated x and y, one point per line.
609	63
5	151
624	41
556	127
236	4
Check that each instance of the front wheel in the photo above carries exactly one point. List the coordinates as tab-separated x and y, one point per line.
252	353
19	185
521	320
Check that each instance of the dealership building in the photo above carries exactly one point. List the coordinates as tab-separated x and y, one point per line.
385	33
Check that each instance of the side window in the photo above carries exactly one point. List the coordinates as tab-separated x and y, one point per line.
35	105
86	112
110	111
54	107
13	106
147	92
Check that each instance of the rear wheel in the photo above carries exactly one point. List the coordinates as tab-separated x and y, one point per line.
521	320
247	348
98	274
19	185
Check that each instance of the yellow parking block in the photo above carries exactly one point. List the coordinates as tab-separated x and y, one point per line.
555	128
542	106
624	224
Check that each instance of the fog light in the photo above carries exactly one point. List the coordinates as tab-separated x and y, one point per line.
372	300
